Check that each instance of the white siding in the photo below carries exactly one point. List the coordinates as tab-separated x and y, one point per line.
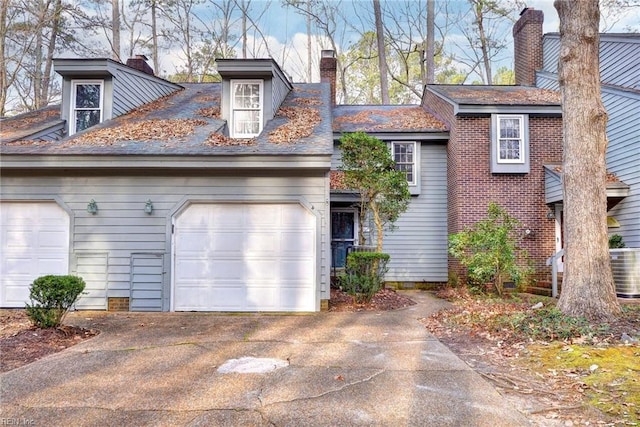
122	228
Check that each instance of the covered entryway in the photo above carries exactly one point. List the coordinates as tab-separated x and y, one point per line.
244	257
34	241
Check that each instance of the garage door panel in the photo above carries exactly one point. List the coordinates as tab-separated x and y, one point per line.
297	242
34	241
297	270
290	298
244	257
260	270
261	242
262	215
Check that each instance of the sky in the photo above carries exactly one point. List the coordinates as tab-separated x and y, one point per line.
286	31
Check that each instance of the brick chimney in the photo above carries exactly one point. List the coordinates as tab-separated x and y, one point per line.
527	46
328	71
139	62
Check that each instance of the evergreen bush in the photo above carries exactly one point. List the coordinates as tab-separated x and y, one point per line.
51	297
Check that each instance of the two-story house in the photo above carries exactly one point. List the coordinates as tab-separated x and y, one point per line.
227	196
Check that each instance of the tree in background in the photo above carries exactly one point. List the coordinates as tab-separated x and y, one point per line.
486	26
370	170
588	289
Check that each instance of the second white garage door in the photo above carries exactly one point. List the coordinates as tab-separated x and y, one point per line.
244	257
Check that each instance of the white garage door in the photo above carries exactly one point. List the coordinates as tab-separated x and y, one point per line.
34	241
244	257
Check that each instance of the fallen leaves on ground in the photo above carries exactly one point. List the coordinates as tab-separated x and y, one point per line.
386	299
532	374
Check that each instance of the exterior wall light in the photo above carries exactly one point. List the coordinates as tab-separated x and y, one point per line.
551	214
92	207
148	207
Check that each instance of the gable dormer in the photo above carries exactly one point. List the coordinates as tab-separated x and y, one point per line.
96	90
252	92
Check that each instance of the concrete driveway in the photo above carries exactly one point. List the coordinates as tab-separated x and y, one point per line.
202	369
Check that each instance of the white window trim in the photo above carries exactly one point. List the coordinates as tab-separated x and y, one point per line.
72	101
520	118
416	157
233	83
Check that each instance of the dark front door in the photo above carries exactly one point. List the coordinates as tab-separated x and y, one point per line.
343	235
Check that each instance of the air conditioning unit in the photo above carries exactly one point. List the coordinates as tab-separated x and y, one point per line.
625	265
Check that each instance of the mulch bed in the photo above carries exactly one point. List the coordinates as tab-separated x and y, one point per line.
24	346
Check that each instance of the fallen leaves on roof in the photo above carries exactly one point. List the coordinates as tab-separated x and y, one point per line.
218	140
302	122
207	99
392	119
307	101
506	96
152	106
145	130
28	142
610	177
212	112
26	121
336	180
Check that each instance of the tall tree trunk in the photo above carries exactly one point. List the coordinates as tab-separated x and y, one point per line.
484	42
37	72
382	56
4	6
115	28
244	31
309	59
431	47
588	289
154	37
55	29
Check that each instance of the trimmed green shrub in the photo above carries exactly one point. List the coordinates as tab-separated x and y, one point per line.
616	242
51	297
364	274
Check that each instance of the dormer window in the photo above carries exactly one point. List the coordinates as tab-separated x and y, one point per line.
246	108
86	104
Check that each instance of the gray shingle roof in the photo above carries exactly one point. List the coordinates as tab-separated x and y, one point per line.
188	123
385	118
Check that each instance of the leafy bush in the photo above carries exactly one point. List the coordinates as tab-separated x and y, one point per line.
364	274
488	250
51	297
548	324
616	242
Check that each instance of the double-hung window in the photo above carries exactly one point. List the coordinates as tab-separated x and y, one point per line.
510	143
510	139
407	158
86	104
246	108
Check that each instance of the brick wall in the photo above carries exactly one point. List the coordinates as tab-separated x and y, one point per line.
328	71
472	186
527	46
118	304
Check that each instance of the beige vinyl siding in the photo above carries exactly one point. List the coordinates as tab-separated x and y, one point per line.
418	244
122	228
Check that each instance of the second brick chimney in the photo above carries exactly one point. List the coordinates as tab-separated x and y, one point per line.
328	71
527	46
139	62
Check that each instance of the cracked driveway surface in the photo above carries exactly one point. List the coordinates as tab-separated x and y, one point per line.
342	369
